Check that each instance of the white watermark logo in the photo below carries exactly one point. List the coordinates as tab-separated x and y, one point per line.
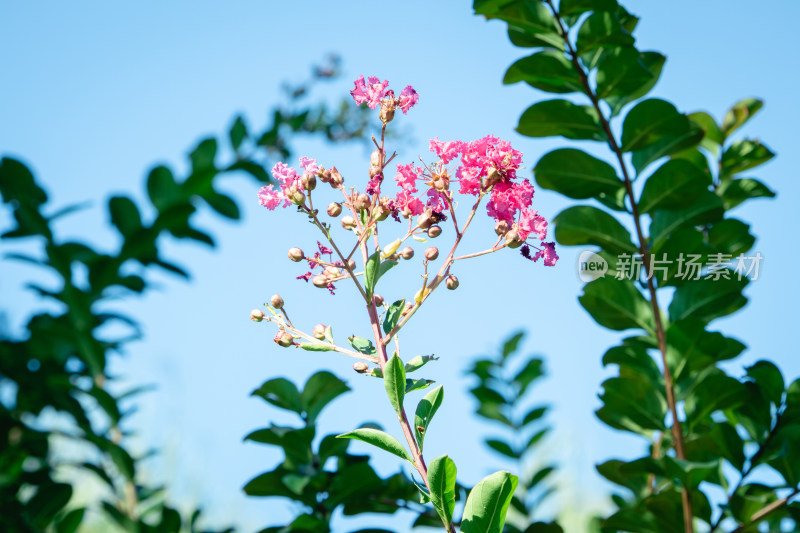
591	266
714	267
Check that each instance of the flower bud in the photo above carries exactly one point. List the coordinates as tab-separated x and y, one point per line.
351	263
332	272
319	332
348	222
256	315
434	231
441	182
324	175
296	196
296	254
375	171
431	253
421	294
513	240
407	252
377	299
334	210
309	182
336	178
376	158
386	114
276	301
283	338
361	367
451	282
425	220
320	281
501	228
361	202
380	213
392	247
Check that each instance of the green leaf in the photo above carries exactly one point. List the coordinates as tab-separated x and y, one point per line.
602	29
502	448
654	62
380	439
691	349
393	315
394	378
769	378
583	224
736	191
730	236
426	408
237	133
671	185
223	204
707	299
617	304
524	39
576	174
70	522
487	504
385	267
162	189
561	117
442	480
18	184
705	207
533	415
532	371
371	273
744	155
740	113
547	71
633	403
282	393
125	215
320	389
532	18
622	73
713	137
576	7
654	128
417	384
417	362
362	345
202	157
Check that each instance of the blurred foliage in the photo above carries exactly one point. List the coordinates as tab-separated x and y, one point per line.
54	378
674	178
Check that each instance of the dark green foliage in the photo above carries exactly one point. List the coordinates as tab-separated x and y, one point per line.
319	473
674	221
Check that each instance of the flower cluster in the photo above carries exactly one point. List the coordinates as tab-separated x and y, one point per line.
376	93
486	168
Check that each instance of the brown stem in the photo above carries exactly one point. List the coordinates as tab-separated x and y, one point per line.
677	430
766	511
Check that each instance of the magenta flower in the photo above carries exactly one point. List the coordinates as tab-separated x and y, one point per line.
408	98
369	93
408	203
407	177
446	151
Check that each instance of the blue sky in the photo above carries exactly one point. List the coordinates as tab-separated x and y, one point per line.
92	96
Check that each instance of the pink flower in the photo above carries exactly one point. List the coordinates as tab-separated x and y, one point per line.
309	165
407	176
370	93
446	151
469	179
408	203
286	176
530	222
271	198
436	201
408	98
